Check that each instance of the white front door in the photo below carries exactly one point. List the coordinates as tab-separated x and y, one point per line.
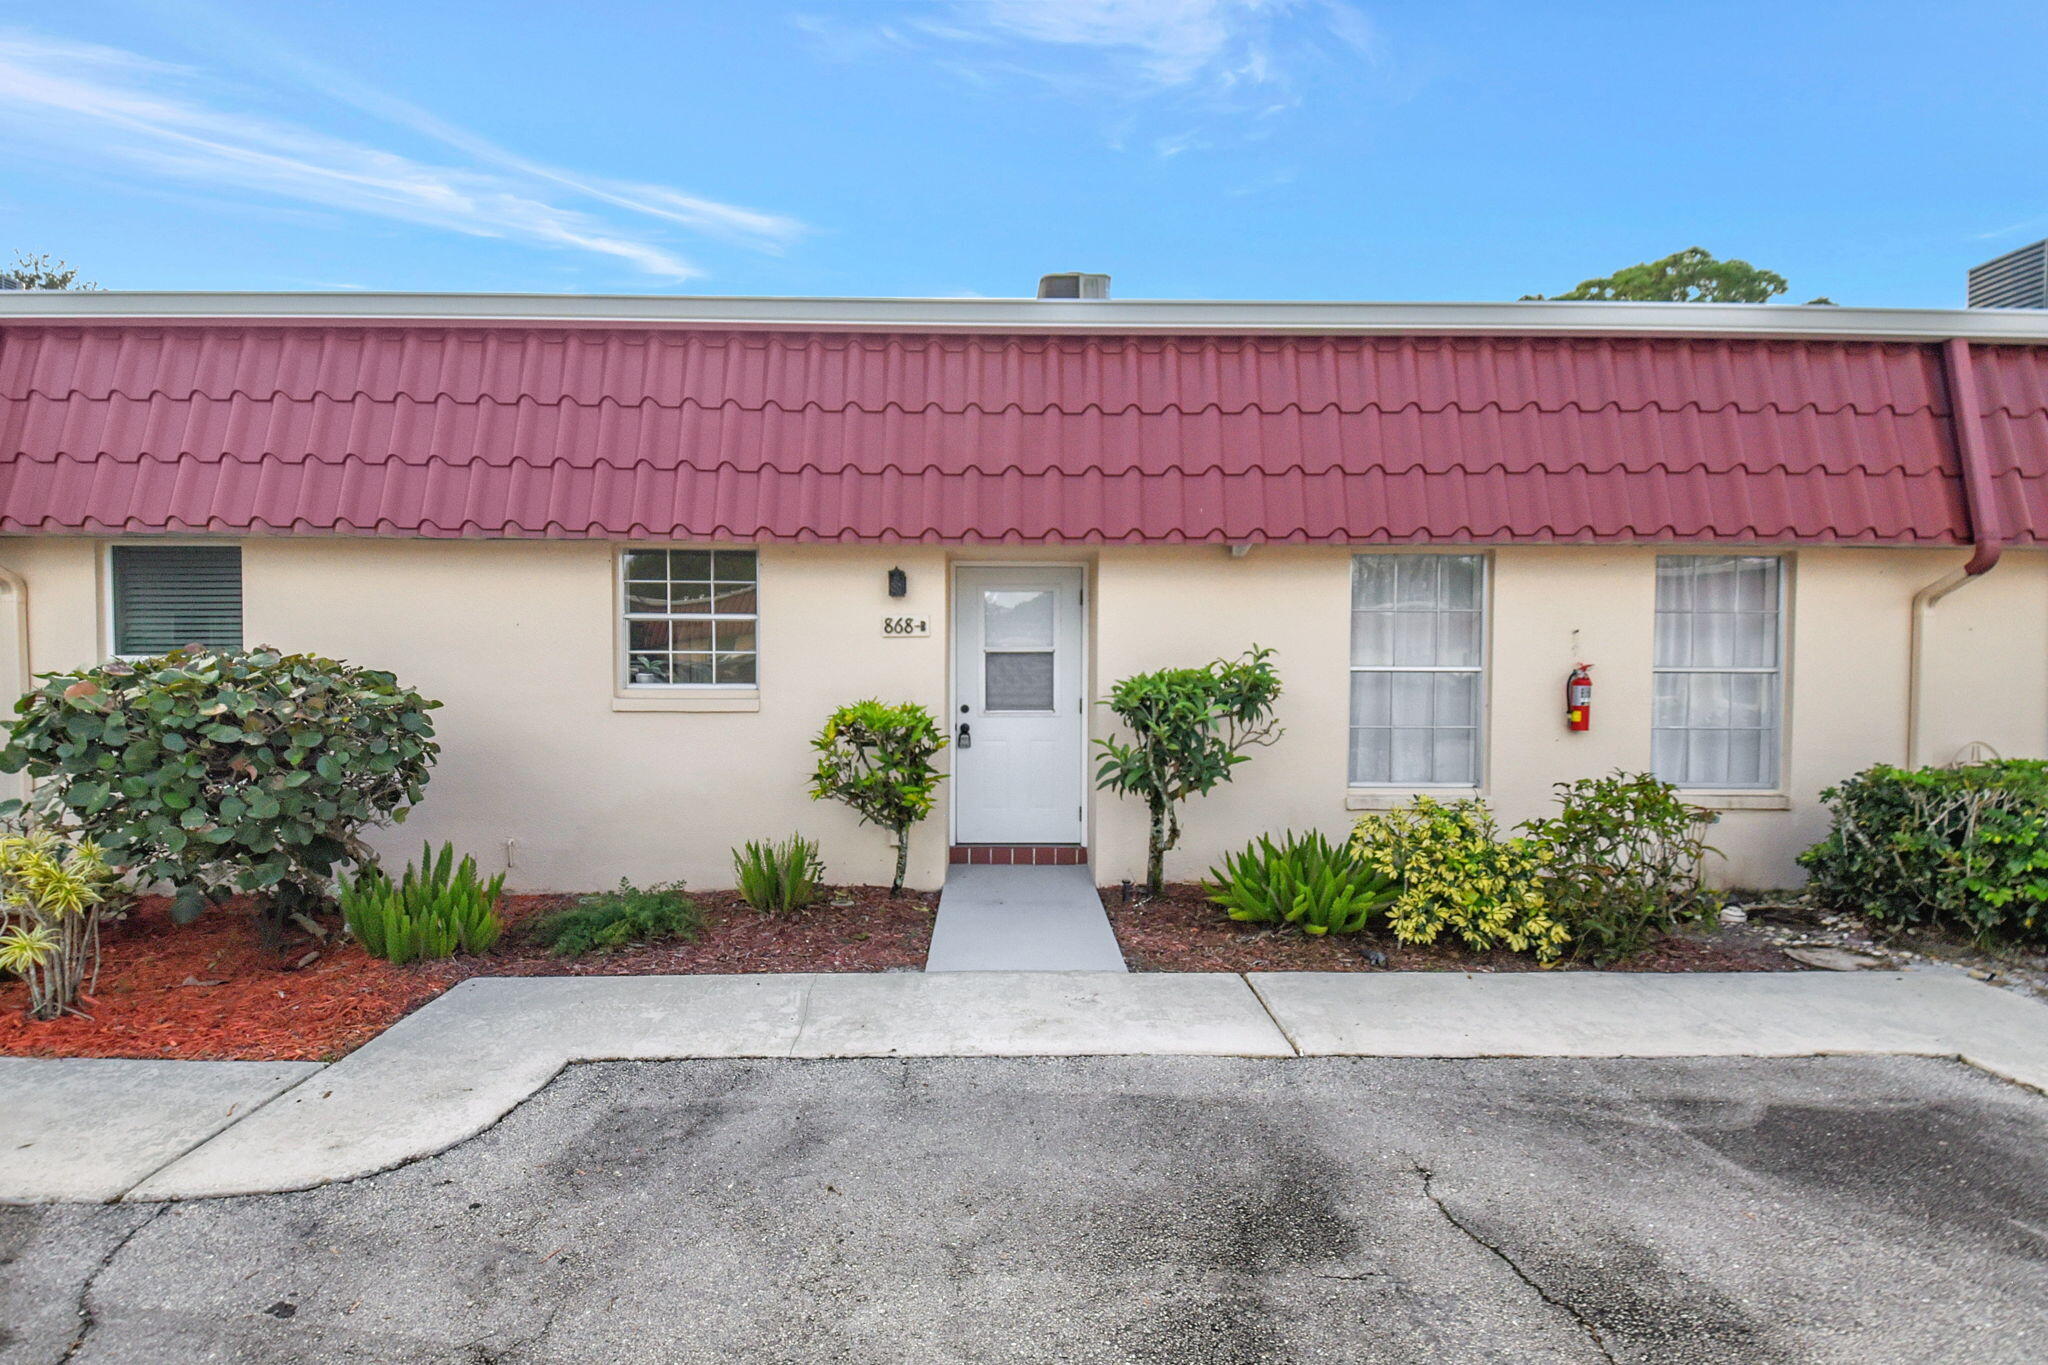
1018	714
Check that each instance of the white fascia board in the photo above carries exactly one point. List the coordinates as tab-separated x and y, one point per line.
1058	316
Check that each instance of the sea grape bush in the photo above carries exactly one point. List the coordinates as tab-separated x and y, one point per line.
1965	848
225	771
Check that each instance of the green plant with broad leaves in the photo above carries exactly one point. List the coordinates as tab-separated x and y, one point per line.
775	877
877	758
1624	857
53	892
225	771
1458	876
1189	729
435	909
617	919
1303	880
1965	848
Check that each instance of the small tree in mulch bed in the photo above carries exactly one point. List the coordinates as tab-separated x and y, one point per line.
226	771
877	758
1189	728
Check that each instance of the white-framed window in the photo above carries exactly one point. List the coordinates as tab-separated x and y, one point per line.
1718	670
1418	631
163	597
691	617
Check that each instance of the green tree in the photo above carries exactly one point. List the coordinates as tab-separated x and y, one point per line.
1688	276
1189	730
42	272
877	759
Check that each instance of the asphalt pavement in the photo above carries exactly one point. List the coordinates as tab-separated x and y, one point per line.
1128	1209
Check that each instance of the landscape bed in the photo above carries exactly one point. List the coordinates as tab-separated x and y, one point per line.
1183	931
211	991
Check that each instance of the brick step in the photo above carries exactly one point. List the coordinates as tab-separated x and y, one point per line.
1020	855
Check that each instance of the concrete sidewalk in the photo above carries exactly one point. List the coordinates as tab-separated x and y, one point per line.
457	1066
1022	919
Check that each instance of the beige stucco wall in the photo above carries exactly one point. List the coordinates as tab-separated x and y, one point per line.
517	638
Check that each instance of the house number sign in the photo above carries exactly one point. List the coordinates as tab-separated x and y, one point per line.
906	627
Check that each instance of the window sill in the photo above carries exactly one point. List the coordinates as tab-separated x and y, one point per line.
1737	800
746	700
1395	798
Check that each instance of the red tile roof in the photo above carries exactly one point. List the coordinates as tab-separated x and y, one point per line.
519	430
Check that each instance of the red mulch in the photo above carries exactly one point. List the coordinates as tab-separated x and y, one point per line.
1183	931
209	990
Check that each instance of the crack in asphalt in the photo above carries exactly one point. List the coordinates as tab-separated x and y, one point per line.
1592	1332
87	1319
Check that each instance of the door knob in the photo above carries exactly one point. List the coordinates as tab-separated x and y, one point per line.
966	736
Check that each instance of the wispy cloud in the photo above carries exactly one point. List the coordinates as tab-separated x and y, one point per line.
1235	57
101	105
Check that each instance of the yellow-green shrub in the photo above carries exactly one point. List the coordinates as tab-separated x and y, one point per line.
1458	875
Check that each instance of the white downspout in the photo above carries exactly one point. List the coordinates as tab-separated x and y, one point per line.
15	587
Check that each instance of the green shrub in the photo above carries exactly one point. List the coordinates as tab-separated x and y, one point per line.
1456	873
877	759
1624	862
776	877
1963	847
1189	730
613	919
1303	880
53	891
220	771
433	910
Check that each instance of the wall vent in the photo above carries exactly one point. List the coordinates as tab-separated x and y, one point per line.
2018	279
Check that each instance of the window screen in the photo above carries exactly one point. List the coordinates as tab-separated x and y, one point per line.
691	617
168	596
1717	673
1017	627
1416	631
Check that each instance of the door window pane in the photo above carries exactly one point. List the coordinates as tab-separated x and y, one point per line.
1017	681
1016	619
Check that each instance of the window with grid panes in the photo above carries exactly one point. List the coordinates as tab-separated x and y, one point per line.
1417	627
1718	670
691	618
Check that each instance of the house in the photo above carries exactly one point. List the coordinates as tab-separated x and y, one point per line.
641	547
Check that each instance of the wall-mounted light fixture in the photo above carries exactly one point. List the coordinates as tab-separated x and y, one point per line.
899	585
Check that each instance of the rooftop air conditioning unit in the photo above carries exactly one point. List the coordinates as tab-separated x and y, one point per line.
1073	284
2018	279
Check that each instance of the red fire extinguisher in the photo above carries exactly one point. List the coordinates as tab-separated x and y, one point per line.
1578	698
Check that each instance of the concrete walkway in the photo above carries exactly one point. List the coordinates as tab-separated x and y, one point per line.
90	1130
455	1067
1022	919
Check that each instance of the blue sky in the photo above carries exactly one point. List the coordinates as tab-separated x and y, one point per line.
1191	148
